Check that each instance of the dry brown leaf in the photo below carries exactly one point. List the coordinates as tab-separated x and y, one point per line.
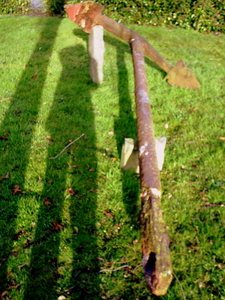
100	258
47	202
5	177
222	138
56	226
3	294
76	229
204	198
48	138
108	213
74	166
3	138
16	190
71	192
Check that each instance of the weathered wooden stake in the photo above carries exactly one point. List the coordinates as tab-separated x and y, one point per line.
96	53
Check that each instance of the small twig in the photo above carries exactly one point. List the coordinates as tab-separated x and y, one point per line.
124	262
208	204
109	270
182	291
67	146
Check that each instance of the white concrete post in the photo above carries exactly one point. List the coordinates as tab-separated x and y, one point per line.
96	53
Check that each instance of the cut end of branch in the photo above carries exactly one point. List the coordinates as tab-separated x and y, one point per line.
158	281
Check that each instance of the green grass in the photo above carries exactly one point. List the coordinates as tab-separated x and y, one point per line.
74	217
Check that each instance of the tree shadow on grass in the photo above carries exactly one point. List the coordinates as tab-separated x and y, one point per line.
18	127
125	124
70	187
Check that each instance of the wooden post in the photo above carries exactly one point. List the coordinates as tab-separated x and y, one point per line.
96	53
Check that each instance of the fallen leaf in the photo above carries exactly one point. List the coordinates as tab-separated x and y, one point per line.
93	191
101	259
203	192
5	177
76	229
108	213
222	138
16	190
113	159
47	202
56	226
71	192
48	138
92	170
3	294
61	297
110	133
17	112
3	138
74	166
117	228
221	266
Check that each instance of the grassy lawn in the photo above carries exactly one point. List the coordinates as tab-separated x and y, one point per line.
69	226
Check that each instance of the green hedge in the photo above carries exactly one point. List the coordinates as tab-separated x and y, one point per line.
14	6
202	15
55	7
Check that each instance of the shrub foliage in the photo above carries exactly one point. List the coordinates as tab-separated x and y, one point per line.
202	15
14	6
